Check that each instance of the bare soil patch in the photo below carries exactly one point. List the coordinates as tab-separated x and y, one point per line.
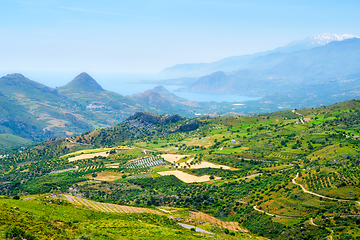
233	226
106	176
187	178
173	158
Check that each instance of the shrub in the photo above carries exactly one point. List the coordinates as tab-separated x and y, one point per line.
84	237
18	234
16	197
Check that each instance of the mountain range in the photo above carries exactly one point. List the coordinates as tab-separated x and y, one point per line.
235	63
314	76
308	73
336	61
31	111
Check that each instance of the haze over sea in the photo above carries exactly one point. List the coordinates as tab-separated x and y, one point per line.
127	84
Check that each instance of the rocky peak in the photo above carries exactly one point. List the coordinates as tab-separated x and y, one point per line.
83	82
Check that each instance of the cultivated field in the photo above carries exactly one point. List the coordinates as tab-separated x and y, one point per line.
115	208
187	178
203	164
146	162
107	176
88	156
205	142
108	207
173	158
112	165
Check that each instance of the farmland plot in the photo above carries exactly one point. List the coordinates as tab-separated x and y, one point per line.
107	176
173	158
115	208
202	164
147	162
187	178
107	207
88	168
88	156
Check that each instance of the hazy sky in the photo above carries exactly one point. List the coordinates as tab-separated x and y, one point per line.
146	36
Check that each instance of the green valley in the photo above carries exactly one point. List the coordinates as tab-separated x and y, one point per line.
282	175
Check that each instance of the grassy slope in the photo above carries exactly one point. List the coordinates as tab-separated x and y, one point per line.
47	220
9	140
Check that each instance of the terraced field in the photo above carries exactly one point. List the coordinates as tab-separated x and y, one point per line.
88	168
115	208
107	207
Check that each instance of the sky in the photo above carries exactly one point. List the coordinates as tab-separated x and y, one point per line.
137	36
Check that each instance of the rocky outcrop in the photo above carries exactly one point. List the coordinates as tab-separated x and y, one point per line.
149	120
193	125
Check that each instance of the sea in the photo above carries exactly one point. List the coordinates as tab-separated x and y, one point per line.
129	84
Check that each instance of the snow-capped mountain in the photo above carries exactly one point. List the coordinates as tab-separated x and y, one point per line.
323	39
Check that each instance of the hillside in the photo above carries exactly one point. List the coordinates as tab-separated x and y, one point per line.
34	112
139	126
300	167
161	99
37	112
48	217
101	107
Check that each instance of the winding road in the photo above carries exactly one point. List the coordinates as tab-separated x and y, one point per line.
196	228
305	191
301	116
318	195
262	211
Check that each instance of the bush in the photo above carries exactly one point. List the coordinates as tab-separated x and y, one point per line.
84	237
16	233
